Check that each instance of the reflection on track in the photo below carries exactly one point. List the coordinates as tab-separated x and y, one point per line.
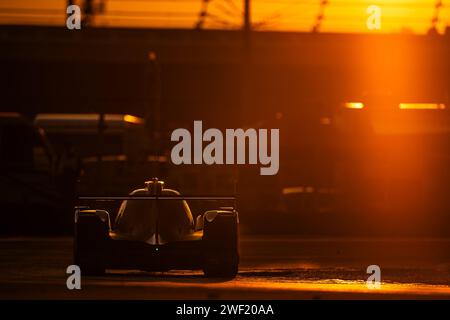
270	269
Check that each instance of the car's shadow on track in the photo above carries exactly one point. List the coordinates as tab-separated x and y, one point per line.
198	277
138	276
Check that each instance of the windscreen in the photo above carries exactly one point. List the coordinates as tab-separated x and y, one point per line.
154	221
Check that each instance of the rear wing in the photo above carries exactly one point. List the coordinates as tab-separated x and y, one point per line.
155	197
103	198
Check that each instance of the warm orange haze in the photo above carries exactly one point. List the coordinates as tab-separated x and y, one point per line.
399	16
193	149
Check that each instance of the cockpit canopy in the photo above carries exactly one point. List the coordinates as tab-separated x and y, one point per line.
155	221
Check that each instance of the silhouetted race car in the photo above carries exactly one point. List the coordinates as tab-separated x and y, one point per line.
155	231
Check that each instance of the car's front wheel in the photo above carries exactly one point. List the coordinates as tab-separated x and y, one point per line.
221	265
89	263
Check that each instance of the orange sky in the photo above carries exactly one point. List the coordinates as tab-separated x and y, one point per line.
298	15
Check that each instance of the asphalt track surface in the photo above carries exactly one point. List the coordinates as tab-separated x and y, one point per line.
271	268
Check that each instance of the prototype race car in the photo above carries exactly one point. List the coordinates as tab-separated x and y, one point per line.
155	231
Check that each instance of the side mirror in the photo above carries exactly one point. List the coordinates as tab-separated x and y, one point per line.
199	223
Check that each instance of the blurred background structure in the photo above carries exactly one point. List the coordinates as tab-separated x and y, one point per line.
363	114
338	16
